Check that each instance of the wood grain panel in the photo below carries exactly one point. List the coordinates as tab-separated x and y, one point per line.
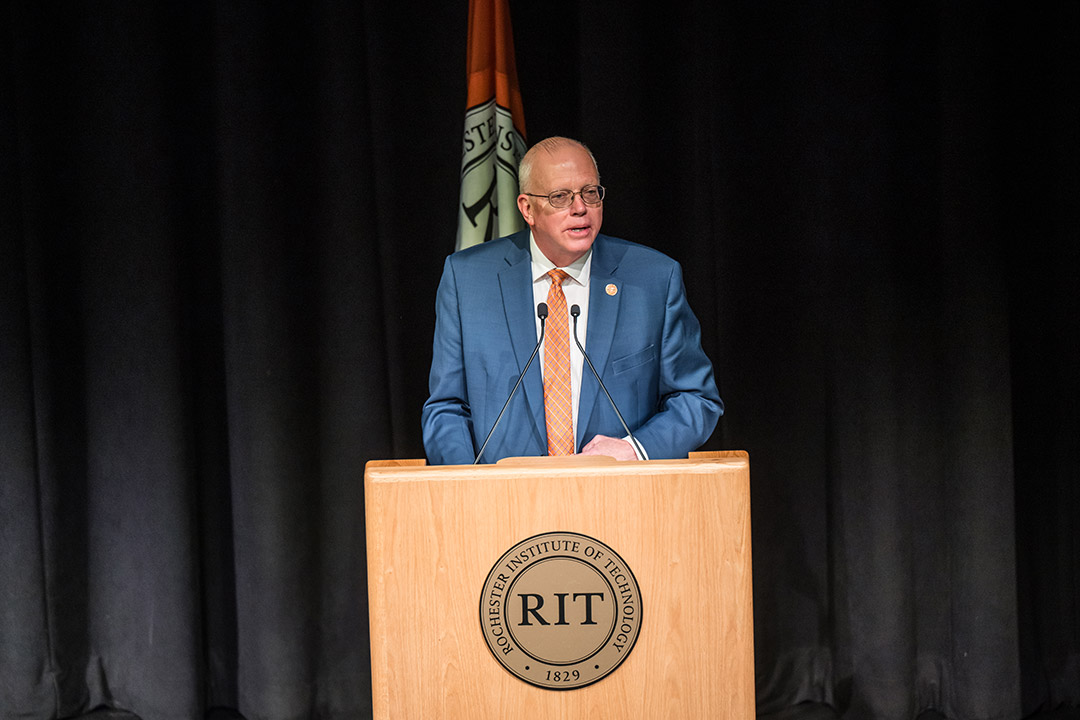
682	526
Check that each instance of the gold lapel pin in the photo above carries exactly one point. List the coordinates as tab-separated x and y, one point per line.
611	289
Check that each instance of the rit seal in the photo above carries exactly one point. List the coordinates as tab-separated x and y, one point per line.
560	610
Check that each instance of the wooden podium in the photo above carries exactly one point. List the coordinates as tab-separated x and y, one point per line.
682	526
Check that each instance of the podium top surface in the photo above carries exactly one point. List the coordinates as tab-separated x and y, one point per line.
417	469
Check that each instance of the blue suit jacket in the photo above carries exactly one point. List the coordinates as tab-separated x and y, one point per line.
644	341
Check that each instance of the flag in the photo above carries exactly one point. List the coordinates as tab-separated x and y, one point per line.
494	138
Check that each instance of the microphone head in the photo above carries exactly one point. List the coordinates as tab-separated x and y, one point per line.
542	311
575	310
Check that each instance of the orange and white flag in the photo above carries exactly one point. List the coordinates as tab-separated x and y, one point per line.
494	139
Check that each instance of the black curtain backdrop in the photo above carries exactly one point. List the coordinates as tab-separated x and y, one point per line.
221	230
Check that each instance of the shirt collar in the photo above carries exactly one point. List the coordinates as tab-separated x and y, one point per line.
578	270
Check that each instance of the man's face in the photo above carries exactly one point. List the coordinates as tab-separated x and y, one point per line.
562	234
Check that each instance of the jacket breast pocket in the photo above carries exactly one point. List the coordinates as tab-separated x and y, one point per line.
633	360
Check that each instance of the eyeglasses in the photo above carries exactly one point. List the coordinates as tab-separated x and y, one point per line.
590	195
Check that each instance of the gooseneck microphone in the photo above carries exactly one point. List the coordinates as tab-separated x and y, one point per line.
574	312
542	313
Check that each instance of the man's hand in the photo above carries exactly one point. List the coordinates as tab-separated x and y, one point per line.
612	447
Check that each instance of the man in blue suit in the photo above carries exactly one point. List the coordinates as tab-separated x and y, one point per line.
634	322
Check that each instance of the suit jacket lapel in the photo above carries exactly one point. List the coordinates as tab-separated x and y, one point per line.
603	314
515	284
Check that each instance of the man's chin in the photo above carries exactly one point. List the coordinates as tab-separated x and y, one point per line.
578	247
568	248
580	241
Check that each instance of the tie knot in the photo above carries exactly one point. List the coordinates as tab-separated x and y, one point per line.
558	277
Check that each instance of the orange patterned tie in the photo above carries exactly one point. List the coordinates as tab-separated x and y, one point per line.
558	403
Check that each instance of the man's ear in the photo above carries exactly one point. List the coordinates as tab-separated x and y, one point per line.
525	207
